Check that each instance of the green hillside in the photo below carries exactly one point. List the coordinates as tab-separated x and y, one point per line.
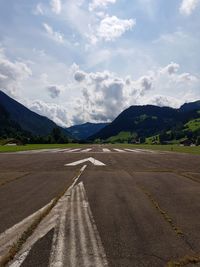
122	137
193	125
154	125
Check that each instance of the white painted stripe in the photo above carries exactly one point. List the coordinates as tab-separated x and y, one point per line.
41	231
20	260
99	256
132	150
119	150
60	244
145	150
106	150
72	240
83	245
56	217
55	150
86	150
74	150
82	231
65	150
11	235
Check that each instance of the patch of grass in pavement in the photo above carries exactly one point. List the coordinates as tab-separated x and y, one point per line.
166	217
36	146
8	177
187	259
171	148
193	259
188	176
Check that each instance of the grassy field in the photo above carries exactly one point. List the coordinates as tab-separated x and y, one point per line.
172	148
34	147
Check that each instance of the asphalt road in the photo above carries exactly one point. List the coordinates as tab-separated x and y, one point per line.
141	209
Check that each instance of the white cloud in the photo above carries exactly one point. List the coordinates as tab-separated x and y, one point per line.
79	76
39	10
57	113
187	78
163	101
56	36
172	68
105	94
188	6
100	4
111	28
55	90
56	6
12	74
95	26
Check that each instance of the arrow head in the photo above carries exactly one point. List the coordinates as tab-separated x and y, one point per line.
92	160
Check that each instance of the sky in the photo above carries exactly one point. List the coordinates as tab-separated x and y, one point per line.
76	61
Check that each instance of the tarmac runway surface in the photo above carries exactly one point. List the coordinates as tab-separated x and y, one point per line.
115	207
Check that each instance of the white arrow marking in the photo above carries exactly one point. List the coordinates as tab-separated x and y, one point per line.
56	218
92	160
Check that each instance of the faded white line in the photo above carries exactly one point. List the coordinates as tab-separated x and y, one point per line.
11	235
99	256
55	150
58	256
58	246
81	228
74	150
65	150
132	150
106	150
56	217
119	150
83	245
72	240
145	150
41	231
86	150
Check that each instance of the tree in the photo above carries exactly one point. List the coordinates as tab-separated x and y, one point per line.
198	141
57	135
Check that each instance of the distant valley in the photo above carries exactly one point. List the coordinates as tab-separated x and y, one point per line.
84	131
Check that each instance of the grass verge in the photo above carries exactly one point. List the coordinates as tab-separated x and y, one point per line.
36	146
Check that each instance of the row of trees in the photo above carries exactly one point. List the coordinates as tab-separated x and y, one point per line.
55	137
22	137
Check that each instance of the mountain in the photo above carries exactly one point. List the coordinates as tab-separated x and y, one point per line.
146	121
9	128
190	106
85	130
24	118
